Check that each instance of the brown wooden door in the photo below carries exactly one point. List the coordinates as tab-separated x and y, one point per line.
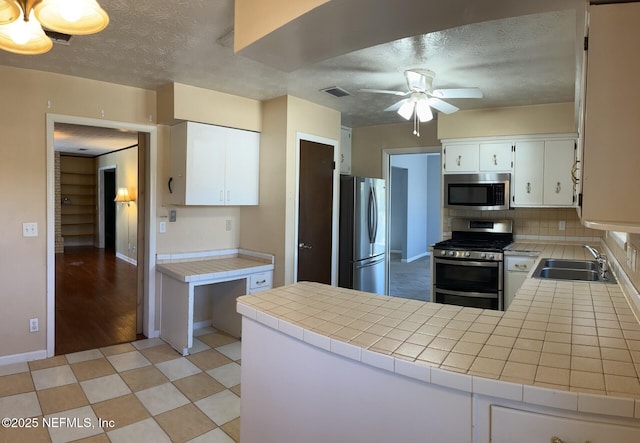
315	212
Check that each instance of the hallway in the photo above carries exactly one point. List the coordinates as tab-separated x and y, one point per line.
410	280
95	299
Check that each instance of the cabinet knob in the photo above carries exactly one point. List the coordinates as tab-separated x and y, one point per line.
519	266
555	439
528	188
558	188
459	160
495	160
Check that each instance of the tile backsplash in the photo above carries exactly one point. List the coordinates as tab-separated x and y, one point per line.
532	223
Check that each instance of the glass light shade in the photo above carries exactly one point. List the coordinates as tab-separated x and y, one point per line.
27	38
423	110
9	11
122	196
75	17
406	110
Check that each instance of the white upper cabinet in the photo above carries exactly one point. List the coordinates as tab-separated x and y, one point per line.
611	131
460	157
213	166
542	174
345	150
477	156
496	157
527	186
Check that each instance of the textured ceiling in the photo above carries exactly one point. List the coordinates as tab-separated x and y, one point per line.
148	43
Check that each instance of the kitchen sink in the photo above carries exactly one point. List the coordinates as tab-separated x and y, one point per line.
575	270
569	264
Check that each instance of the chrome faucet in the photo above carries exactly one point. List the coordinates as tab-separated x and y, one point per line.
601	258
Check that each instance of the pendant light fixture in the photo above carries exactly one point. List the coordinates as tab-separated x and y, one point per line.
22	22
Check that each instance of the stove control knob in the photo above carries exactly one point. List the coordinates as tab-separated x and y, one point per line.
491	256
467	254
443	252
452	253
483	255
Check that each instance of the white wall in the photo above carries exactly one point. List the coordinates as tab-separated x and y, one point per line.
398	211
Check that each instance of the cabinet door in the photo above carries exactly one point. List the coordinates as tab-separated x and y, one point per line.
528	173
496	157
205	164
461	158
509	425
559	157
611	155
345	151
516	271
242	167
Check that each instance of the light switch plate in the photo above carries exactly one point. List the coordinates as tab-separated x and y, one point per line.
30	229
172	215
163	227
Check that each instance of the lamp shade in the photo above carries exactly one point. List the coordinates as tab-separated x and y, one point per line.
122	196
24	37
9	11
76	17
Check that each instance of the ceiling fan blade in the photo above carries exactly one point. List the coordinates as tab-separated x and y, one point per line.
397	105
458	93
385	91
442	106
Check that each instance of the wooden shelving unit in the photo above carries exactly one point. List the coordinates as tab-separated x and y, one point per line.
78	198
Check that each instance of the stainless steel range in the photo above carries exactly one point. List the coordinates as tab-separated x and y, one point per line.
468	268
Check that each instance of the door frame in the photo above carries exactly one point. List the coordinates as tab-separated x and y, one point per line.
149	309
386	175
101	229
335	210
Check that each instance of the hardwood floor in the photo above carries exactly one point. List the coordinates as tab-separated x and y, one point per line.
95	299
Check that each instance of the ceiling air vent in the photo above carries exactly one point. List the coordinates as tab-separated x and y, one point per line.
58	37
336	91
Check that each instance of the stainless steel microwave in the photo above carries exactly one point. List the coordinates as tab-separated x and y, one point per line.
477	191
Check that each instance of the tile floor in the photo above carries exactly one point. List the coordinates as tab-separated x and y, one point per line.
136	392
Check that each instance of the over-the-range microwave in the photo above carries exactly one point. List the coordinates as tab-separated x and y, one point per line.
477	191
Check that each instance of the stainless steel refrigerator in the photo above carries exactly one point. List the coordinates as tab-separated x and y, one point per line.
362	234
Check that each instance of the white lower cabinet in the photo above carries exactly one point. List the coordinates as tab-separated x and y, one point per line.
516	269
510	425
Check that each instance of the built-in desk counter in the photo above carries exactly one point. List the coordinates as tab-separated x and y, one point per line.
231	272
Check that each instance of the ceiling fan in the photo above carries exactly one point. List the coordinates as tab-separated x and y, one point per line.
422	97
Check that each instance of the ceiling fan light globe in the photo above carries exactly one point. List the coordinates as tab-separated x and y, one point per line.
26	38
406	110
423	111
78	17
9	12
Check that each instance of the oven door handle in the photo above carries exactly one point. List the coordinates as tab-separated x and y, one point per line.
468	294
484	264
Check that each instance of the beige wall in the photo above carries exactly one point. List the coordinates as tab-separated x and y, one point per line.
283	119
23	186
619	251
178	102
126	163
368	142
558	118
254	19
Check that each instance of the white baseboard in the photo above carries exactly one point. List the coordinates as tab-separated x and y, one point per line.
127	259
201	324
416	257
21	358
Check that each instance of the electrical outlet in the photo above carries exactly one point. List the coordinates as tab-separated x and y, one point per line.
228	225
163	227
30	229
33	325
634	260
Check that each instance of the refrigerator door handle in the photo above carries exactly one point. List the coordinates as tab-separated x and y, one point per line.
373	216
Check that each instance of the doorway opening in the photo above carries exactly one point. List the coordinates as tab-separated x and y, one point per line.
97	280
414	221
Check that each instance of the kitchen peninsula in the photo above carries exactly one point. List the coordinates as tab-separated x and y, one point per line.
321	363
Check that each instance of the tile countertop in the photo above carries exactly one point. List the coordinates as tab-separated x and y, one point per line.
577	337
212	267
